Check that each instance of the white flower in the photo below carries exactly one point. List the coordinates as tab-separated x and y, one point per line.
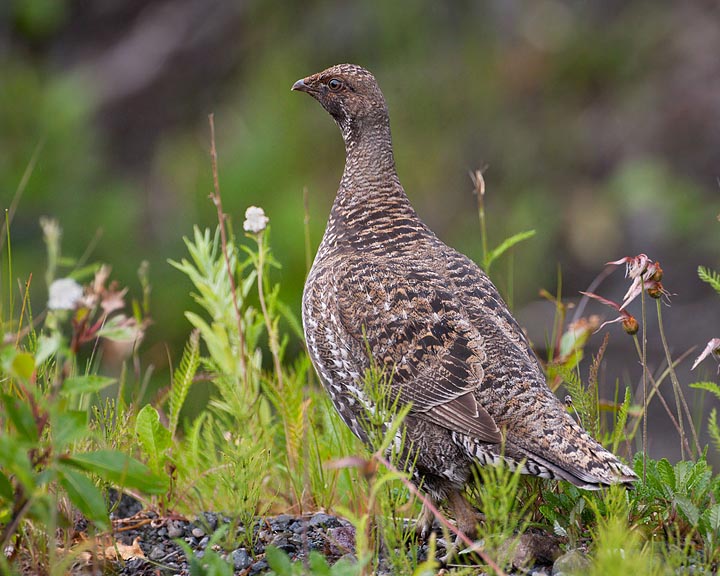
255	220
64	294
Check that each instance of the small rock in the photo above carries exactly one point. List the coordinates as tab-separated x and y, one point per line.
157	553
342	540
322	519
281	522
212	520
204	541
198	532
258	567
535	547
175	529
283	543
572	562
299	526
241	559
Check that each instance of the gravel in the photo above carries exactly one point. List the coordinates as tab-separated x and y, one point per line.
244	550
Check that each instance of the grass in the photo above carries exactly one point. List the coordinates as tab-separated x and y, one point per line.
269	441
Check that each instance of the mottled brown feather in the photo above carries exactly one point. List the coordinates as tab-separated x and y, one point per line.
383	286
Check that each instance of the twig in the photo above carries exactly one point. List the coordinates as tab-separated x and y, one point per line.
215	197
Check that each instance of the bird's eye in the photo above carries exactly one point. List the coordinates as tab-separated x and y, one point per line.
334	84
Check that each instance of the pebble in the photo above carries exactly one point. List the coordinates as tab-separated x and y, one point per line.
332	536
322	519
175	529
157	553
572	562
241	559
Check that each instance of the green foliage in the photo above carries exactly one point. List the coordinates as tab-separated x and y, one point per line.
504	246
269	437
567	513
316	564
712	277
155	440
183	379
50	452
618	549
506	512
211	563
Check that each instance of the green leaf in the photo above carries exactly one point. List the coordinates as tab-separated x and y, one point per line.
667	475
14	459
689	510
710	276
120	469
713	518
278	561
85	495
47	347
86	384
22	418
708	386
6	489
714	428
23	366
318	564
119	329
183	378
153	436
68	426
505	245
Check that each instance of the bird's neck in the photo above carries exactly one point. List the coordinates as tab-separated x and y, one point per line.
369	178
370	199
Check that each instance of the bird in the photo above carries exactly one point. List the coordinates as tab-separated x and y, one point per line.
384	291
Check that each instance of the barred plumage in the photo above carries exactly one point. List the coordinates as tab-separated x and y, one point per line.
383	281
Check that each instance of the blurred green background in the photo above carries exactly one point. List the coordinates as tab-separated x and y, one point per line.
598	122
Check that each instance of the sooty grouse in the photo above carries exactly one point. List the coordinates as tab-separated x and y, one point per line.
383	284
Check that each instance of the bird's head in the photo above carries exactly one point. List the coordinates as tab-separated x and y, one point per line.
350	94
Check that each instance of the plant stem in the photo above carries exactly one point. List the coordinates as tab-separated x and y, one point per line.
479	184
215	197
272	332
440	517
643	360
679	396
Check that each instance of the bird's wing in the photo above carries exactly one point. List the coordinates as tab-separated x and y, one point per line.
414	328
484	306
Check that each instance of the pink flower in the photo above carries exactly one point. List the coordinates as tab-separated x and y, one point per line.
629	323
712	349
645	274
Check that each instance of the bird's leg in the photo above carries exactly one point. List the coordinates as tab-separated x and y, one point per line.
466	519
424	523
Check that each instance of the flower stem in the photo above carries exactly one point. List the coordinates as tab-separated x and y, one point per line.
680	401
643	360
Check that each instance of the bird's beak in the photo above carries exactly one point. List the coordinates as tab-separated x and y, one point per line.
301	86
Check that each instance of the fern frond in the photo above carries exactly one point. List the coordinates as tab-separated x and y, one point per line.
619	430
183	378
712	277
714	429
